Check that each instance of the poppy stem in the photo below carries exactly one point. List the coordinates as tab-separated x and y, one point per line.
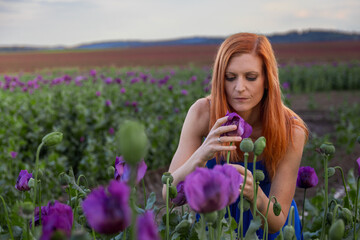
322	237
347	203
7	218
356	205
167	208
303	211
36	176
228	154
240	225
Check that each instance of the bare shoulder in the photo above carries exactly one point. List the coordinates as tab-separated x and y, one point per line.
299	136
199	113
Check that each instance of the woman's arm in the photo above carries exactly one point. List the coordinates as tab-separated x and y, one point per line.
191	152
283	183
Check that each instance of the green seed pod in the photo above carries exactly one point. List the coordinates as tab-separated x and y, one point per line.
289	232
259	145
327	148
329	218
27	209
336	231
52	139
260	176
247	145
165	176
246	205
346	215
172	191
221	213
31	183
183	227
133	142
277	208
331	171
79	210
211	218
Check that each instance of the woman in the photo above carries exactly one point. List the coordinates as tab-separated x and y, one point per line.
245	80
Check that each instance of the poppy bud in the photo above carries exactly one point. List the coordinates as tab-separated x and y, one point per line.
172	191
247	145
246	205
27	208
289	232
260	176
221	213
259	145
110	171
52	139
64	179
183	227
346	215
133	142
327	148
165	176
211	217
277	208
329	218
331	171
31	183
336	231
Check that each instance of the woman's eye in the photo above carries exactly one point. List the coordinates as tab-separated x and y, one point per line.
230	78
251	78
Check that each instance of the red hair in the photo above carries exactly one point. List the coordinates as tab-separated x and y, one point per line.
277	120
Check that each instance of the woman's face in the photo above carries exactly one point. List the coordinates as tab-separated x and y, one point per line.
244	83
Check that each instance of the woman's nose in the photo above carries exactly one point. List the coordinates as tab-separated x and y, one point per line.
240	85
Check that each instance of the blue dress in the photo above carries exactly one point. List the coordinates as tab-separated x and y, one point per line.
265	186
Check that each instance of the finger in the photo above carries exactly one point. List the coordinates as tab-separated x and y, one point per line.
225	148
241	169
220	122
231	139
224	129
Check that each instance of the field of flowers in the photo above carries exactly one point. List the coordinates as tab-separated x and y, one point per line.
88	113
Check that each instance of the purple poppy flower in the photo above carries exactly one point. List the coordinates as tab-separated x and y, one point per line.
108	103
122	90
207	190
23	180
235	179
170	87
98	93
307	178
243	130
286	85
108	80
44	211
122	170
108	212
82	139
93	72
58	217
111	131
358	165
134	104
184	92
146	227
13	154
180	198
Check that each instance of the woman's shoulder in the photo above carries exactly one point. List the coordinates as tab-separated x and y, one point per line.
199	112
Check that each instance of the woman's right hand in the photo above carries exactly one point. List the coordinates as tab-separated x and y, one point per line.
214	143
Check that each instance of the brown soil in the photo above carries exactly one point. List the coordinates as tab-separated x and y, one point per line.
318	121
201	55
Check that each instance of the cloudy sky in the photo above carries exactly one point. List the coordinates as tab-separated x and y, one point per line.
72	22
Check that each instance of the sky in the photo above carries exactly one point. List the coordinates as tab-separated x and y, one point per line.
73	22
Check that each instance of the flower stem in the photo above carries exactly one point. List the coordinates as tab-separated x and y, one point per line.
265	235
347	203
240	224
39	203
322	237
267	212
228	154
93	233
230	220
36	176
167	209
356	205
303	210
7	218
254	181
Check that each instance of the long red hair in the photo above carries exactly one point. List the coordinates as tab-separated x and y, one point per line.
278	120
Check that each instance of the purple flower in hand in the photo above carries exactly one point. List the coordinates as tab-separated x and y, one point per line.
146	227
108	212
59	217
122	170
235	179
180	198
243	130
307	178
207	190
23	180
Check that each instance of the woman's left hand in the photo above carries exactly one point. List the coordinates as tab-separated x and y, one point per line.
249	185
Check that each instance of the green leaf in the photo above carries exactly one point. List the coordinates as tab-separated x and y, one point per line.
150	201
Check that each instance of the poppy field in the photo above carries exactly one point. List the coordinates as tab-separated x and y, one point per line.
76	144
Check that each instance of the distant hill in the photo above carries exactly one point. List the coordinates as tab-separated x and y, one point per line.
287	37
